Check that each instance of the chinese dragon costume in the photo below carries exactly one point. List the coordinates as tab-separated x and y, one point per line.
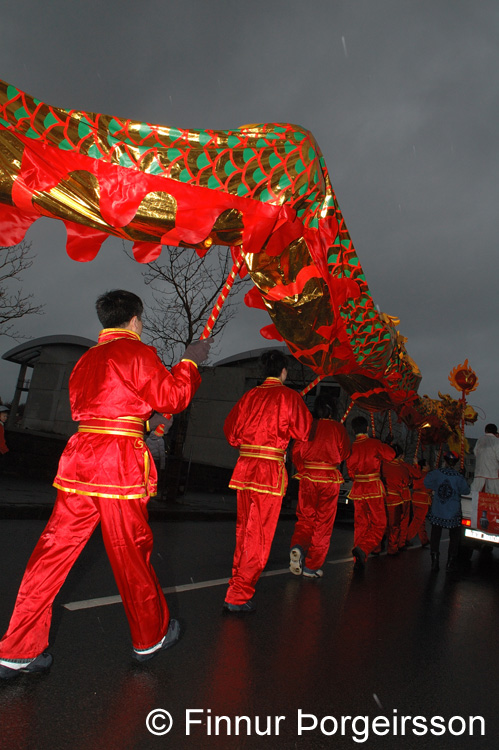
263	190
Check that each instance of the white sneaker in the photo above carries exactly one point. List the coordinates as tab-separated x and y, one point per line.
170	639
12	668
307	573
296	561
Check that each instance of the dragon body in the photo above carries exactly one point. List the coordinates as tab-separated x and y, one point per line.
262	190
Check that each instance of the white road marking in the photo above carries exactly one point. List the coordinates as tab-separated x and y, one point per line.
104	601
378	702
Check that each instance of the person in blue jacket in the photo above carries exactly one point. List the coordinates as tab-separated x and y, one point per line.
445	513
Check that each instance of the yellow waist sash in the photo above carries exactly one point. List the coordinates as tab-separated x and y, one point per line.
365	477
262	451
127	426
319	465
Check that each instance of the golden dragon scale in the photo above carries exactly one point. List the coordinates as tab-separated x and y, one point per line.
261	188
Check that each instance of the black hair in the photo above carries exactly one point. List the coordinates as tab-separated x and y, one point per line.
273	363
398	449
359	425
116	308
492	428
324	407
451	459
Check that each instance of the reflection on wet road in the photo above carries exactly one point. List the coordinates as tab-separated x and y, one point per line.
394	642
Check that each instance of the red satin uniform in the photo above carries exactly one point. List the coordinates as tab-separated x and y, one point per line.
406	507
397	475
368	491
3	445
317	462
421	501
105	475
261	425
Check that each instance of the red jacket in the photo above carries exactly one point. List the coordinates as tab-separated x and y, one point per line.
364	466
113	389
398	475
261	425
318	459
3	444
421	495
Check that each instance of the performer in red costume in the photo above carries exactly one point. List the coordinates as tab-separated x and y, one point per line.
397	475
4	413
406	506
106	475
368	491
261	425
421	502
317	461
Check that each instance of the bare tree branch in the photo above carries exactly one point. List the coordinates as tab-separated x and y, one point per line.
185	288
13	304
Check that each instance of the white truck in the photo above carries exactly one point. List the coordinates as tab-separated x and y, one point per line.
480	524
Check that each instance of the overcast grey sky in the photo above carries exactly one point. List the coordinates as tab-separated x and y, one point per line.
401	95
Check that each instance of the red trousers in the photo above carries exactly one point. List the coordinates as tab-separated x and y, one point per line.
257	516
404	522
417	525
394	514
316	511
128	541
369	522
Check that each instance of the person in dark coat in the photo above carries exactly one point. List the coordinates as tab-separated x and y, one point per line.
445	513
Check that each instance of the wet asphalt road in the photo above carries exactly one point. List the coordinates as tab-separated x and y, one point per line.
394	641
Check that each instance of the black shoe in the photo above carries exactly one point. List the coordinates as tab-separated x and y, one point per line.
42	663
243	609
435	567
170	639
452	566
360	558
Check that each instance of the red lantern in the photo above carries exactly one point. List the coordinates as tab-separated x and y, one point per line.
463	378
